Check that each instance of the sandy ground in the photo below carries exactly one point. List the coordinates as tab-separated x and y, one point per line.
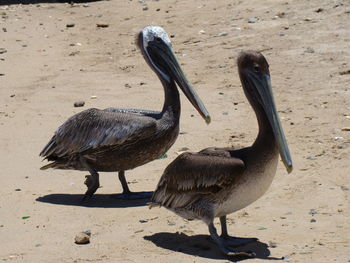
46	66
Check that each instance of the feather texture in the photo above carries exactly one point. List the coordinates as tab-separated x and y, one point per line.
191	176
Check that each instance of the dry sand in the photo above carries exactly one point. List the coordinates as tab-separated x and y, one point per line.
46	66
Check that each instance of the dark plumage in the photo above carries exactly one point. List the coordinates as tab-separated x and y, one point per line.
120	139
218	181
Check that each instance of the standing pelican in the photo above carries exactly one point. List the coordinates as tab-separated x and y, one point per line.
113	139
216	182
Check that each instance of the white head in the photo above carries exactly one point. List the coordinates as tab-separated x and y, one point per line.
151	33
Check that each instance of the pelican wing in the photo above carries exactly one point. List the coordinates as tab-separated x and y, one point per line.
93	129
194	175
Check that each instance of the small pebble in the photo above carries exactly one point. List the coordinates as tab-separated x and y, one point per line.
345	72
79	103
93	97
313	220
345	129
281	14
272	244
313	212
310	50
145	8
70	25
184	149
102	25
83	237
252	20
222	34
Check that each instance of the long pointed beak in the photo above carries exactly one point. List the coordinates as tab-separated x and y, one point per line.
268	103
171	64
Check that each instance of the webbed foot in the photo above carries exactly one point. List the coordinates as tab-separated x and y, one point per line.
92	185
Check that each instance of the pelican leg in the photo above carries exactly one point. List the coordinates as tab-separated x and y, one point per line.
92	181
223	245
224	233
127	194
233	241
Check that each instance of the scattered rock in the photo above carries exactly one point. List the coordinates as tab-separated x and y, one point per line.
171	223
313	220
102	25
311	158
12	95
145	8
127	85
2	50
18	190
253	20
222	34
345	129
184	149
143	221
93	97
272	244
345	72
309	50
312	212
83	237
344	188
70	25
319	10
281	14
79	103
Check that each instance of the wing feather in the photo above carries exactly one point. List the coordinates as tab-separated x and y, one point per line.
93	128
192	175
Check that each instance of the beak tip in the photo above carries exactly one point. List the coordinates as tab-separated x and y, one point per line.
207	119
289	168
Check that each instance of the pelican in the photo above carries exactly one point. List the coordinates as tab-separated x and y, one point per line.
116	140
216	182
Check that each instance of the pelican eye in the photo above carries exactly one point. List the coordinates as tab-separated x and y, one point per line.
256	68
158	39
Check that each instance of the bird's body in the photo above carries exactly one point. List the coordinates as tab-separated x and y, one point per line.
216	182
114	139
148	138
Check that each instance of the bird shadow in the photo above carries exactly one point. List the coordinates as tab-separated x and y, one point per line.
27	2
98	200
203	246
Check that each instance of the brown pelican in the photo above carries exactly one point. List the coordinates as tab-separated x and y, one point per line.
113	139
218	181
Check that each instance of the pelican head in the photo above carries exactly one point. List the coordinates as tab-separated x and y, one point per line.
157	50
255	77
